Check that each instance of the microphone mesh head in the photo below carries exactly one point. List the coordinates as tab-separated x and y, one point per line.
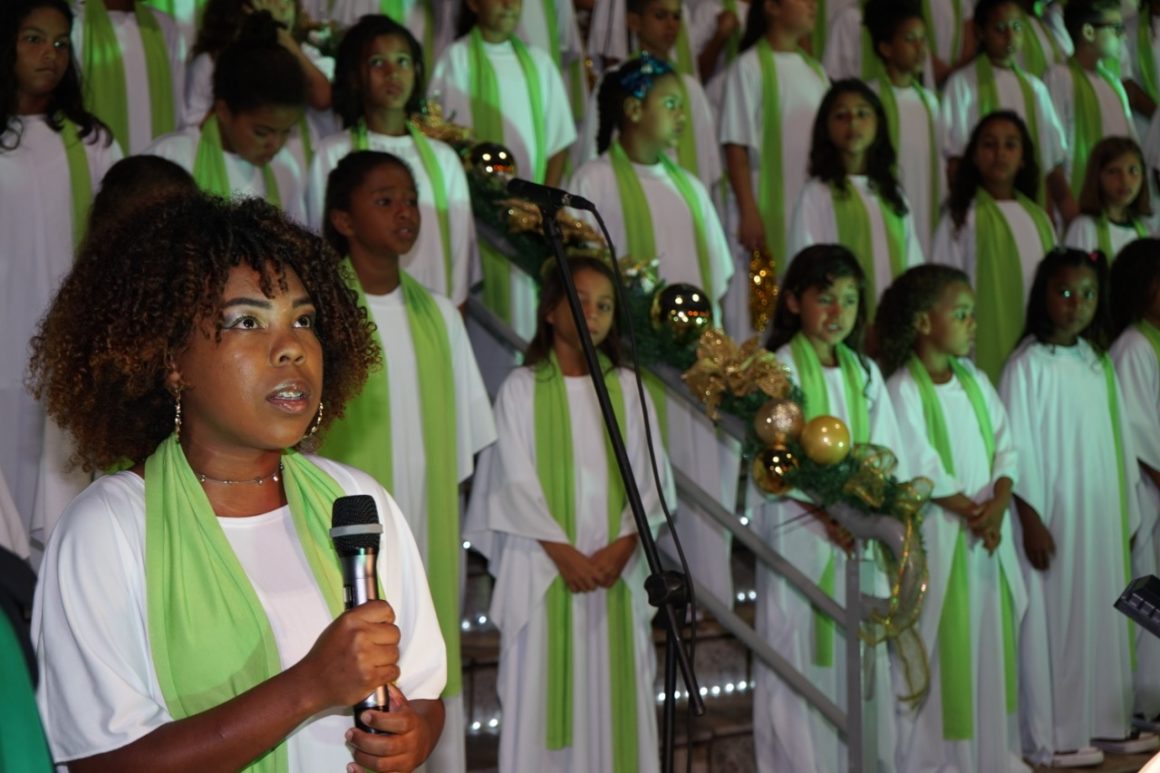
352	511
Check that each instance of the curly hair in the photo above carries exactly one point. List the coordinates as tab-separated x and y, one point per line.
552	294
132	183
1107	150
67	99
134	298
967	178
917	290
826	160
1039	325
610	98
348	174
1135	283
817	267
348	66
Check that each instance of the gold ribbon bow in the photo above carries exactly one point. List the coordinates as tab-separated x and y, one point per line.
723	366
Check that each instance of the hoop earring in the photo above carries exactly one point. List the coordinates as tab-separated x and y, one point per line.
177	414
317	421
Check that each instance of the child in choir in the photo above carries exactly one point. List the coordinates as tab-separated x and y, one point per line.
430	21
1088	96
221	24
850	51
379	85
655	23
950	35
724	19
1115	202
1075	498
421	417
53	154
899	37
995	232
533	121
818	330
975	596
994	82
853	197
1045	39
772	93
612	43
551	25
1143	31
132	62
131	184
259	95
577	662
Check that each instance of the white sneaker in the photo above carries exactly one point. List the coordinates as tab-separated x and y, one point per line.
1135	743
1087	757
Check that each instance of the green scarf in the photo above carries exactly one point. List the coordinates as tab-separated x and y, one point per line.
395	10
1034	57
687	142
1121	468
771	191
208	633
819	32
989	102
362	438
817	403
954	633
209	167
894	124
25	747
1104	234
854	232
1145	57
1087	125
106	92
872	66
686	65
555	468
956	41
639	226
307	140
360	141
80	178
999	279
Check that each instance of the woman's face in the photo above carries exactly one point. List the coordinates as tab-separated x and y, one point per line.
42	52
259	386
388	73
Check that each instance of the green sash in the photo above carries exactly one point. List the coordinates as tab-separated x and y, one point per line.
361	141
1088	125
872	67
362	438
999	279
989	102
1034	57
1104	234
854	232
555	467
80	178
685	62
1121	468
894	125
819	32
817	403
209	167
106	91
208	634
956	41
687	142
1145	57
307	140
771	191
638	220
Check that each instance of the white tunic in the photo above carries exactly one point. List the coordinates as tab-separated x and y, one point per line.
1074	664
136	69
1049	30
36	252
960	106
1083	234
90	621
346	12
426	261
1131	38
845	52
942	25
921	743
672	223
815	222
534	30
180	147
1115	116
508	517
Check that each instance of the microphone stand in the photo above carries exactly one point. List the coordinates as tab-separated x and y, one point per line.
667	590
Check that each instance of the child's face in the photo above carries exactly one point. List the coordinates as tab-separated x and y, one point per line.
657	26
1002	36
906	51
1121	179
1072	297
999	153
852	123
384	212
952	320
599	303
1106	34
828	314
388	73
42	52
257	135
499	18
662	115
796	17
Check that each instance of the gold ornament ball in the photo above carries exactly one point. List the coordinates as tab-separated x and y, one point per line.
683	310
770	467
492	164
778	422
826	440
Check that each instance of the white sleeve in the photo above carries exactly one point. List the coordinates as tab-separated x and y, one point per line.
198	90
1082	234
957	101
1006	461
720	255
585	148
907	403
561	127
461	222
741	108
914	255
1016	387
949	247
474	420
1138	371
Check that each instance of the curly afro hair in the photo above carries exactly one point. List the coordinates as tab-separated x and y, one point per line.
135	296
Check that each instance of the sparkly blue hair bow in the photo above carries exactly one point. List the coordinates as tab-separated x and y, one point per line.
637	81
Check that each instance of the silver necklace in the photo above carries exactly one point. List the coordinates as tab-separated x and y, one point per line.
275	476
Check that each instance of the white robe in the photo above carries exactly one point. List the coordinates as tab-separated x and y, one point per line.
507	518
533	29
136	70
1048	29
186	15
1075	674
993	746
1134	54
609	37
346	12
703	25
1115	115
90	620
941	27
426	261
36	252
1083	234
815	222
180	147
788	735
845	54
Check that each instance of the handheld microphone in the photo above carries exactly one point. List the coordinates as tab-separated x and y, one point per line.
357	533
546	196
